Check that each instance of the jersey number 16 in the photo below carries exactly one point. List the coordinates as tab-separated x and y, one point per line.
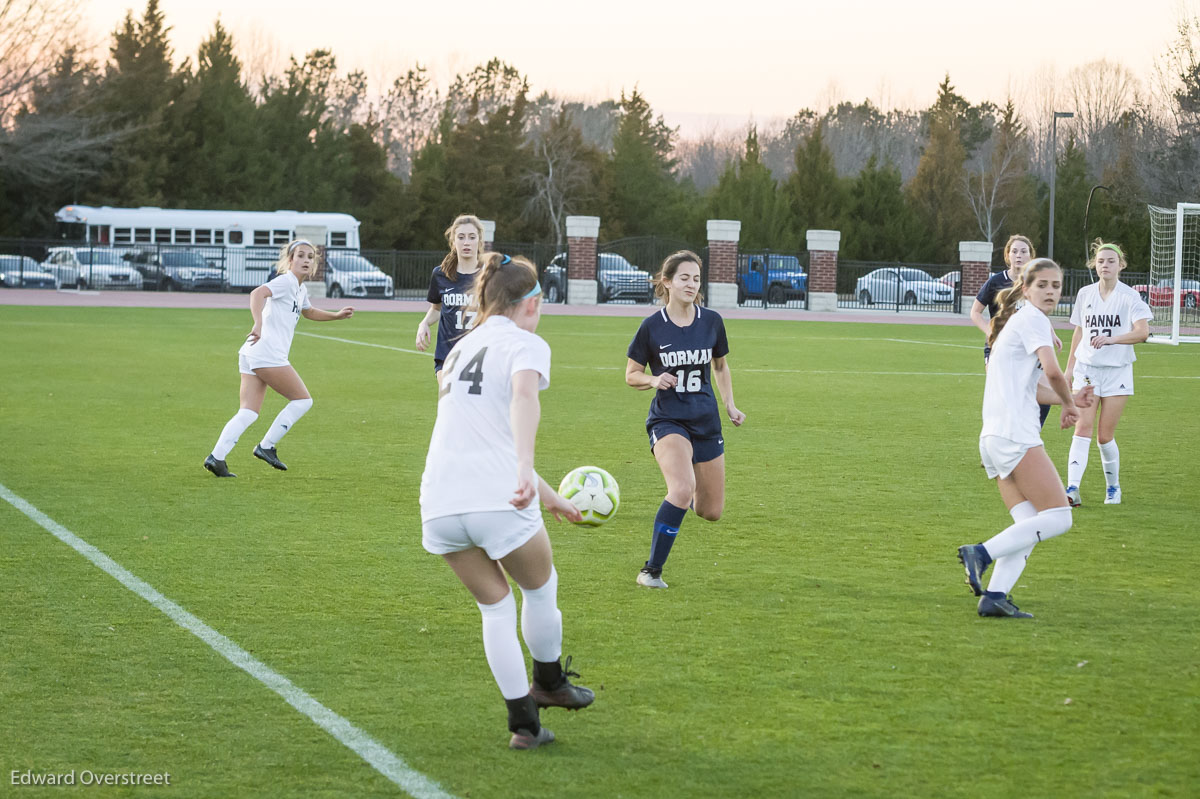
687	381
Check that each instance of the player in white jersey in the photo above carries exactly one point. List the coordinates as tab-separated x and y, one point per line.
1109	318
479	493
1010	442
263	359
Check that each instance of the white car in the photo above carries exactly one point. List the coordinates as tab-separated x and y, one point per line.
91	268
350	275
901	284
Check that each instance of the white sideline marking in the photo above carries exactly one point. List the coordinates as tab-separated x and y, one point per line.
363	745
772	371
364	343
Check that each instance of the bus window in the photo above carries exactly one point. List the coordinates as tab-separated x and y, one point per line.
281	236
235	237
203	236
162	235
262	237
122	235
183	237
337	239
142	235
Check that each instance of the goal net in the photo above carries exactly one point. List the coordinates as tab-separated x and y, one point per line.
1174	289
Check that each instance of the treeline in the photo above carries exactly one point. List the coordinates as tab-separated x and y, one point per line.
138	130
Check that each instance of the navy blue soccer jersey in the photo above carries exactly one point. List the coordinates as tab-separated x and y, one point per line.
454	296
995	284
687	352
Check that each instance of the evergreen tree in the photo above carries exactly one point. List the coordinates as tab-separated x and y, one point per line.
646	199
879	224
138	88
217	151
936	192
814	193
1070	200
746	191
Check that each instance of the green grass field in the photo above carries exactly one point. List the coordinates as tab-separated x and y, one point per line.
817	641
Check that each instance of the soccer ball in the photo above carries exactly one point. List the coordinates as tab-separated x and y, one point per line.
592	490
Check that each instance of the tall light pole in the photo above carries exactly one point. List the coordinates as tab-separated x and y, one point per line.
1053	172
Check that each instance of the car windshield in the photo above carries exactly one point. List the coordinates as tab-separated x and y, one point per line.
914	274
98	257
351	263
19	262
1190	285
183	259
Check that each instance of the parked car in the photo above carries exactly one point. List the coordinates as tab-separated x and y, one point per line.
350	275
22	272
91	267
951	279
176	270
1160	294
893	284
616	279
785	278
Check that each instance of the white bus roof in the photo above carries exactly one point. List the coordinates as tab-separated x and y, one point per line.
183	218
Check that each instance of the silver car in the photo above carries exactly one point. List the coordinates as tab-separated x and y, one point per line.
22	272
91	268
900	284
350	275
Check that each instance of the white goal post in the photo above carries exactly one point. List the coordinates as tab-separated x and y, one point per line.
1174	289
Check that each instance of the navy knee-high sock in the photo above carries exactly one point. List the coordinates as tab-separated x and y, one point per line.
1043	412
666	525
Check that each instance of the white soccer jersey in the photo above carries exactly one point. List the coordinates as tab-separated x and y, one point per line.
1112	317
281	313
1010	392
472	461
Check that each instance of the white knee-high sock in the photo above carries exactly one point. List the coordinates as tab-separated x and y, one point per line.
1077	459
232	432
1027	532
290	414
1110	457
1007	570
541	620
502	648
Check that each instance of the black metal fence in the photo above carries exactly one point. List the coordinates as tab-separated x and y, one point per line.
894	286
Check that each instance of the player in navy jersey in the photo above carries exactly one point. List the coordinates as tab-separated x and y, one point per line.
451	289
685	347
1018	251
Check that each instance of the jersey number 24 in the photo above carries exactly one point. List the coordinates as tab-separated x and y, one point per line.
471	373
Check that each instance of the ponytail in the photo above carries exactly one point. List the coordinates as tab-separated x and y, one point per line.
1008	298
502	282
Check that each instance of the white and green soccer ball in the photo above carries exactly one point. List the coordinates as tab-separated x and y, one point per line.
592	490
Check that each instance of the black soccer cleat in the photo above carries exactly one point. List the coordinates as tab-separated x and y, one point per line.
563	694
998	605
270	457
217	467
524	739
975	561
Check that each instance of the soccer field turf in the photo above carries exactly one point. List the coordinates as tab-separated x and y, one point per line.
817	641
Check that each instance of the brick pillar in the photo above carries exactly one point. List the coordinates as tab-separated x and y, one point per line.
582	233
822	269
723	235
489	234
975	266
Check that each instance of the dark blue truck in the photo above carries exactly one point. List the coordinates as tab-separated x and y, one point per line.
785	278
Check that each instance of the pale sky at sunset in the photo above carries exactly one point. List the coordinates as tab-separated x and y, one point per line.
717	62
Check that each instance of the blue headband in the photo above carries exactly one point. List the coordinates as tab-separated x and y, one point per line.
533	292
